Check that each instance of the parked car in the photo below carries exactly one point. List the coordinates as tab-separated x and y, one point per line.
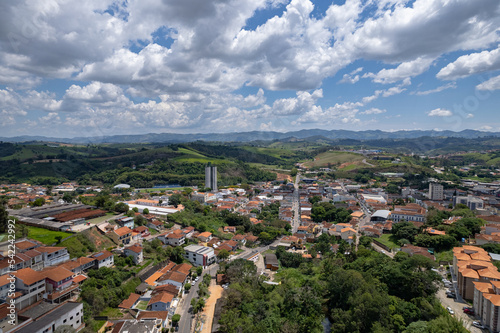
451	295
450	310
469	311
477	324
467	307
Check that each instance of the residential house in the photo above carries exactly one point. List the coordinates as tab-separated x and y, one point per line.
370	231
68	313
103	259
136	326
125	222
4	287
25	245
30	287
53	255
156	225
271	262
121	235
20	261
413	250
205	236
252	239
160	301
183	268
135	251
348	234
161	316
79	265
188	232
229	228
143	231
174	278
174	238
239	238
129	302
57	278
8	320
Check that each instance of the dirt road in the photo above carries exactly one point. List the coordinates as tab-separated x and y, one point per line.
215	294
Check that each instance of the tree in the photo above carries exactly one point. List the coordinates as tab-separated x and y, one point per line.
175	199
140	220
38	202
121	207
67	197
187	287
294	172
223	254
199	270
314	199
4	217
175	319
392	188
145	211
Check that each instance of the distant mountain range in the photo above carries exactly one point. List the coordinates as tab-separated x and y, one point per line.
257	135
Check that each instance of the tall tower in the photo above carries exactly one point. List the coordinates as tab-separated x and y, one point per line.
211	177
435	191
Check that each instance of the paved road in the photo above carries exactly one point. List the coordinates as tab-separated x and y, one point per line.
365	162
296	205
381	250
184	307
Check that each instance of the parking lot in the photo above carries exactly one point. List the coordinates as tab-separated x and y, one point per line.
455	306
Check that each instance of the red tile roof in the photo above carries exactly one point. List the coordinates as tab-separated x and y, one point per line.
163	297
135	248
130	301
57	274
123	231
182	268
174	276
29	276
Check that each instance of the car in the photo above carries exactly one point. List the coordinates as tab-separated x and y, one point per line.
451	295
469	312
450	310
467	307
477	324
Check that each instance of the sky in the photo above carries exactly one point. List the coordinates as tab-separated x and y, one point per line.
97	67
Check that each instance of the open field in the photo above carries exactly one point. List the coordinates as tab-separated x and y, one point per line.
101	218
387	240
333	158
45	236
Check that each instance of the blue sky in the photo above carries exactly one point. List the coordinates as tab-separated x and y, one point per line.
90	68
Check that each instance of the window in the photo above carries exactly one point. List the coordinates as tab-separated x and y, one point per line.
71	318
64	321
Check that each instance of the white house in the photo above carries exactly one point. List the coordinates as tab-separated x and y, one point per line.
136	252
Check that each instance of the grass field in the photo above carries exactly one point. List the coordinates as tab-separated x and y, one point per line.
163	189
191	156
112	313
101	218
444	256
45	236
142	305
334	158
388	240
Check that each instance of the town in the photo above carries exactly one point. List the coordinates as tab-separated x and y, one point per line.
123	259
